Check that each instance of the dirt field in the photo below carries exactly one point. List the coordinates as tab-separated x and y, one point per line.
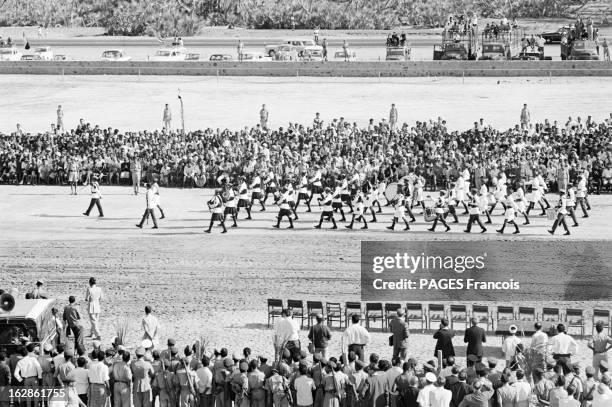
211	285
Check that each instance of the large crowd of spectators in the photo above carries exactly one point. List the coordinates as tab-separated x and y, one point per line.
377	151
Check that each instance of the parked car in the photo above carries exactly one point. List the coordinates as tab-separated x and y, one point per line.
286	53
301	44
554	37
10	54
341	56
31	57
44	52
115	55
255	57
221	57
192	57
30	319
174	53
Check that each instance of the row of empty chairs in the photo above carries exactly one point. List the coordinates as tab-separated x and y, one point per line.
426	317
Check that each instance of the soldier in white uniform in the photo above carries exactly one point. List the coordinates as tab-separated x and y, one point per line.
230	205
417	194
337	201
509	216
95	200
370	197
156	197
151	205
270	183
285	210
520	200
345	194
561	212
439	210
399	213
243	197
316	186
291	199
358	214
460	193
571	204
500	194
483	202
256	193
451	203
581	193
328	213
216	207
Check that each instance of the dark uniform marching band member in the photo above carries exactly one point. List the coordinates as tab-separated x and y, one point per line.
256	193
440	204
358	214
95	200
150	200
216	207
510	216
285	209
229	198
73	175
474	211
337	201
561	212
316	187
345	195
571	204
155	189
270	182
328	213
303	193
243	197
399	212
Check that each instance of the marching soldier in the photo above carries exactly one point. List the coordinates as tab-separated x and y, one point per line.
316	187
303	193
122	374
561	212
521	207
150	200
439	210
285	210
571	204
337	201
399	213
510	217
271	188
155	189
581	193
230	205
358	214
474	211
345	194
256	193
451	202
95	200
243	197
216	206
328	213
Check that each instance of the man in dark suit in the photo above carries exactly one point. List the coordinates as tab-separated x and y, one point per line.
399	328
444	335
319	335
459	388
474	337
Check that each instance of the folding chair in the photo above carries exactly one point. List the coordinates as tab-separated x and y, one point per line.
435	313
603	316
351	308
297	306
374	311
312	309
459	314
391	312
333	311
527	314
574	318
414	312
504	312
481	313
275	308
551	314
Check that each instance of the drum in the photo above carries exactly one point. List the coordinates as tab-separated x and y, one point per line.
551	214
200	181
391	191
430	214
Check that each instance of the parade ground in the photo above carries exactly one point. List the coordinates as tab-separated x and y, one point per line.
215	286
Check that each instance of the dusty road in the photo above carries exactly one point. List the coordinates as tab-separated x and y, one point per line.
211	285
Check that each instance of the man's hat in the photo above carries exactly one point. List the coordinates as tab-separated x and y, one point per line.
228	362
171	342
140	351
173	350
120	348
68	352
513	329
590	370
430	377
401	312
47	347
146	343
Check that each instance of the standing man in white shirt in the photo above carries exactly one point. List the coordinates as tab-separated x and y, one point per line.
286	332
99	381
439	396
600	344
356	337
28	371
525	117
205	383
509	345
263	117
304	387
393	118
523	390
539	346
562	346
93	296
167	118
150	326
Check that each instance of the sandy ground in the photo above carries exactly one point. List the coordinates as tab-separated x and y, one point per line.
136	103
214	286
